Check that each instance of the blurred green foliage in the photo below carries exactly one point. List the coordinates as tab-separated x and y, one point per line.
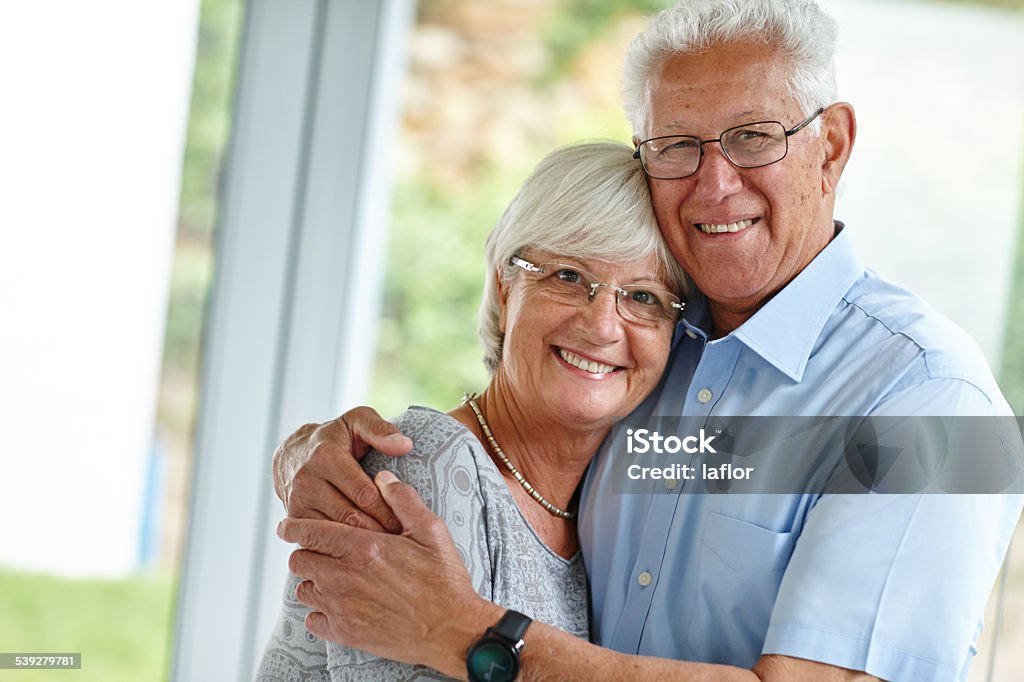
209	121
206	140
998	4
574	24
427	349
121	627
209	125
1011	371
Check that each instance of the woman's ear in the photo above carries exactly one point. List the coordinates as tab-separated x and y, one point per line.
502	288
839	130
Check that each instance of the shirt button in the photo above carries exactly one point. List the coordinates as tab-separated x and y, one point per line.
644	579
705	395
671	483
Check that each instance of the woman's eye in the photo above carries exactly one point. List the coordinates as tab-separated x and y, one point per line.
644	297
567	275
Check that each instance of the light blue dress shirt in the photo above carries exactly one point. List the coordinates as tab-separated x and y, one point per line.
894	585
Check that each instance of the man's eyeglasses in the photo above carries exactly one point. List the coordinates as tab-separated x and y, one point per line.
570	284
751	145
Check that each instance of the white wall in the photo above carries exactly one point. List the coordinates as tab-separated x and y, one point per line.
92	128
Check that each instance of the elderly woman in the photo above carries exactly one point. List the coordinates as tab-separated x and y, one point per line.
579	305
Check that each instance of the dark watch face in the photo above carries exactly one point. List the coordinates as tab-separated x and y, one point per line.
492	662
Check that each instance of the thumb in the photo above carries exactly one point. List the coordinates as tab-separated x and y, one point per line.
418	522
367	427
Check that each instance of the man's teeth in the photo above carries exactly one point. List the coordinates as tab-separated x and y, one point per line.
707	228
586	365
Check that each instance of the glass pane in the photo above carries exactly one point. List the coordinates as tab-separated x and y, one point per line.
94	472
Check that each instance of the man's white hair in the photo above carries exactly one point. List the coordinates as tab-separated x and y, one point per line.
802	33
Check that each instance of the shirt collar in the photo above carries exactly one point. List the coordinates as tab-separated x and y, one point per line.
784	331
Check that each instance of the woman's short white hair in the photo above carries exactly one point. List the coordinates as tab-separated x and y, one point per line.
586	200
799	29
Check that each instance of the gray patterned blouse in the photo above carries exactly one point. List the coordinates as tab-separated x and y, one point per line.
507	561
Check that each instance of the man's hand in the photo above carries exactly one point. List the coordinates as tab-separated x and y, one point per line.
409	598
391	595
317	473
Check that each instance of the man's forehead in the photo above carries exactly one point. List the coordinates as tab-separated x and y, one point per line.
676	118
703	121
682	104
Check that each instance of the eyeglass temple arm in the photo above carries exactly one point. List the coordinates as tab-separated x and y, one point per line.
525	265
804	123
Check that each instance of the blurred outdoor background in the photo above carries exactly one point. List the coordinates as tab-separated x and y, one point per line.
934	196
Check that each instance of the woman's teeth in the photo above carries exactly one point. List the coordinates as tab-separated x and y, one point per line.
586	365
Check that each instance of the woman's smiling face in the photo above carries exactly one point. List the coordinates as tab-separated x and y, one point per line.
584	364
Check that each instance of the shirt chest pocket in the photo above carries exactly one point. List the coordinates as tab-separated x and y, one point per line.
741	567
743	546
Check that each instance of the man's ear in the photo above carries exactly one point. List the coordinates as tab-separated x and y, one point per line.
838	131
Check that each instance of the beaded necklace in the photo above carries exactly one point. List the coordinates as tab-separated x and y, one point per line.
471	400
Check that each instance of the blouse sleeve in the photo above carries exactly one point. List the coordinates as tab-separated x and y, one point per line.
443	468
293	653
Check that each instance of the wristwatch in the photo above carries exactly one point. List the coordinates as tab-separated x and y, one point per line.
495	656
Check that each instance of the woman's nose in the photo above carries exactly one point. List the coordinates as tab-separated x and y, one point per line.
602	312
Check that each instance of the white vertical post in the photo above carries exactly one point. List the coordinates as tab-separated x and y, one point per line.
316	104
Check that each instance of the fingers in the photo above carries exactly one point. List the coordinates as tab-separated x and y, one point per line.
369	429
333	482
317	624
315	497
289	457
418	522
322	537
308	593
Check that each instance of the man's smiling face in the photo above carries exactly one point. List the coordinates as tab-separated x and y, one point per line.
778	217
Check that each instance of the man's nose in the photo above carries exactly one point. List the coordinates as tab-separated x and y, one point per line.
717	177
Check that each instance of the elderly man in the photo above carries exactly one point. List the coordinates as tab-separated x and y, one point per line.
735	118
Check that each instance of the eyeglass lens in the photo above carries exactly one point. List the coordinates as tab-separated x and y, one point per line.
635	302
747	146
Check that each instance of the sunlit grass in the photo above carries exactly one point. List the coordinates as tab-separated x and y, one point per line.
121	627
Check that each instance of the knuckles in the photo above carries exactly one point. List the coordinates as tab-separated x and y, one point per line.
304	591
374	557
317	624
362	413
365	495
297	565
351	517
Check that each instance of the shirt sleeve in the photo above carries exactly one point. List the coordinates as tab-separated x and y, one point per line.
896	584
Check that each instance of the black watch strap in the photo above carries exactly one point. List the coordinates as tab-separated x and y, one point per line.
512	626
495	656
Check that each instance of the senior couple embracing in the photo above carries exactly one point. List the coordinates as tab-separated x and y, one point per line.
698	274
